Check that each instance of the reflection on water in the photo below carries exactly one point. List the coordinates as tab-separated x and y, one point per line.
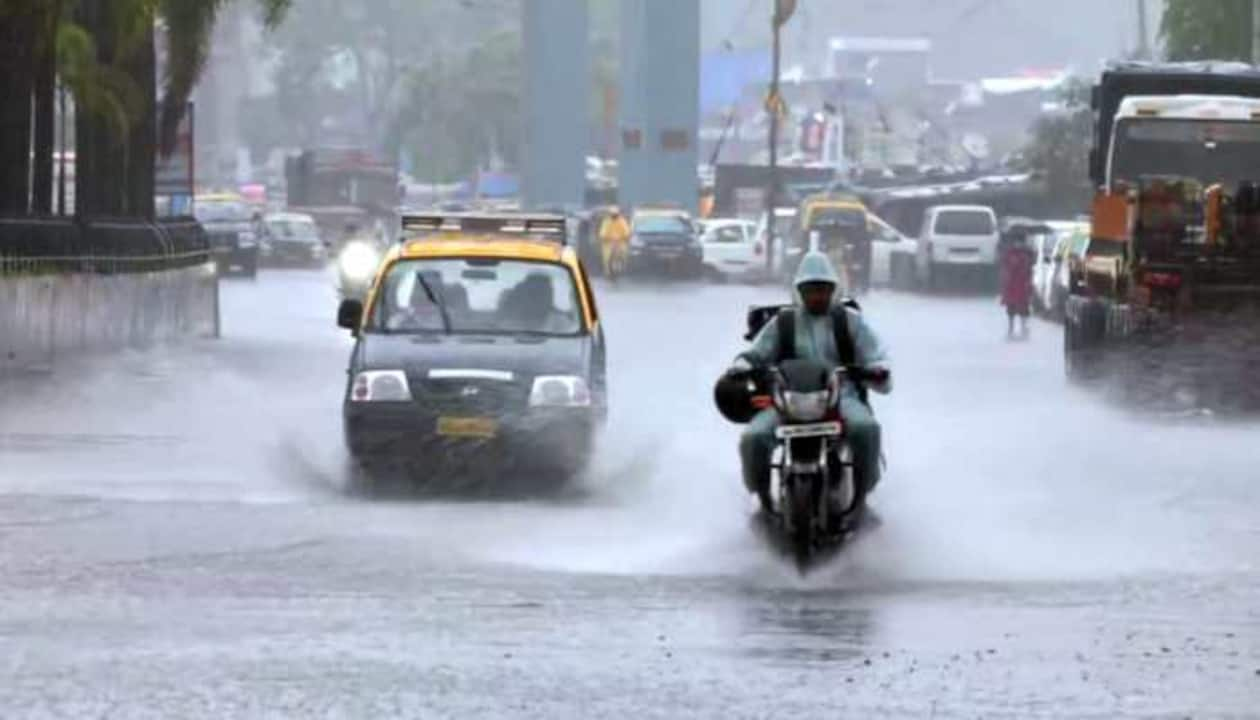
805	627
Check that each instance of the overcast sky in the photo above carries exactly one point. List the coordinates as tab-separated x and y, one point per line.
972	38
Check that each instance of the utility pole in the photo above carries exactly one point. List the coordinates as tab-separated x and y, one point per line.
1255	32
1144	42
783	10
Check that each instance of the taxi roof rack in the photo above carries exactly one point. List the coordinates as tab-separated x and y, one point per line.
551	226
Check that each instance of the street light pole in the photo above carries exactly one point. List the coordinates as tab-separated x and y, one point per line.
1255	32
773	106
1144	41
783	10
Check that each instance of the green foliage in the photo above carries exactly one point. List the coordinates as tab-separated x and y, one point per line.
1059	152
190	26
437	80
1207	29
463	112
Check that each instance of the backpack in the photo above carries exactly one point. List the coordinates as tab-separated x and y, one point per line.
844	339
840	322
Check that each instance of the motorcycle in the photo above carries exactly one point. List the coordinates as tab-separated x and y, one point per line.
815	501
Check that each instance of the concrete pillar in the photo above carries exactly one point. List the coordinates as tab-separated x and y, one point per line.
557	102
660	102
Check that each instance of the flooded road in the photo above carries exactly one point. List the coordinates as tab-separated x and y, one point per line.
175	541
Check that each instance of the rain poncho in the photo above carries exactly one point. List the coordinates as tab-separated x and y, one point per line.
815	339
815	334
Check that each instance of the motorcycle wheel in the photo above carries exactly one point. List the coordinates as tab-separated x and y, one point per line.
801	522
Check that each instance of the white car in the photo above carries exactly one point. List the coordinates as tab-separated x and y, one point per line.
1071	244
892	255
732	250
957	239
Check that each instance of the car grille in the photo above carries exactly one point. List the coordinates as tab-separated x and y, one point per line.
477	396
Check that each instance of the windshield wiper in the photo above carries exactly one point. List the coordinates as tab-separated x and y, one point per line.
434	298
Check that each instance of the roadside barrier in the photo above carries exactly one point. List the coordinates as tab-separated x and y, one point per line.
72	287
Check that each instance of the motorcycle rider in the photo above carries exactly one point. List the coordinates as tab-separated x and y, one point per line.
823	330
614	237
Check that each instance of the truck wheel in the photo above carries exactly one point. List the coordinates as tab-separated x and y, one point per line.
1084	333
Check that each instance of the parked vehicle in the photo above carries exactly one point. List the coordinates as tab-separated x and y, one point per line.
732	250
1071	244
1163	304
958	241
892	255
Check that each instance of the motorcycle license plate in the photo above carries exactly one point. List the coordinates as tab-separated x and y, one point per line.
478	428
827	429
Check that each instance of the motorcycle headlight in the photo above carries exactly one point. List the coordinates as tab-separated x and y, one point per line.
380	386
805	407
358	261
559	391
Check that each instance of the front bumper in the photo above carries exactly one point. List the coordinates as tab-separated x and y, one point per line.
392	434
228	258
687	261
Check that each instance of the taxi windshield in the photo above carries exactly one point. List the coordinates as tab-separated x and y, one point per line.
484	296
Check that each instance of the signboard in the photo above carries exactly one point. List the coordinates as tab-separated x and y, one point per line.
174	173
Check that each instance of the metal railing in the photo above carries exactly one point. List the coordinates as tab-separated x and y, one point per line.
54	245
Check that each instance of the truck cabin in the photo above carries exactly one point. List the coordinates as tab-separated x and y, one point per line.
1175	153
1211	139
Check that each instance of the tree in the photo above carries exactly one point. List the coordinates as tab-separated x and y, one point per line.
104	52
462	112
1059	153
1207	29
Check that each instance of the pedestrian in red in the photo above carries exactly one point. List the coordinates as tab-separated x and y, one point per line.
1017	261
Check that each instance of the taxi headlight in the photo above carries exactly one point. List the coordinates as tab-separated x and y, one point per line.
380	386
560	391
358	261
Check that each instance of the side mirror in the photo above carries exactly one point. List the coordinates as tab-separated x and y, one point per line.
350	315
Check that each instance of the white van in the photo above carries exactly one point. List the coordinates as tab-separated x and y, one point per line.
957	238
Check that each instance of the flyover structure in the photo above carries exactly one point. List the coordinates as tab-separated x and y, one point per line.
659	102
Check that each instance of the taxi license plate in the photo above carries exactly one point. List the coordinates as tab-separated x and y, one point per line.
480	428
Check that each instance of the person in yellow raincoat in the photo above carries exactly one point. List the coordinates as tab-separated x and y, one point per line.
614	240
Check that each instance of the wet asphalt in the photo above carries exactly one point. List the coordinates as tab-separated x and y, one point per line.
176	541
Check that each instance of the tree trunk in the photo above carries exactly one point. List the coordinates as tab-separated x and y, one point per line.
100	154
141	66
45	118
17	40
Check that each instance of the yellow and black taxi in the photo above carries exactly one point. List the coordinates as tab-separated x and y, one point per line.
479	356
